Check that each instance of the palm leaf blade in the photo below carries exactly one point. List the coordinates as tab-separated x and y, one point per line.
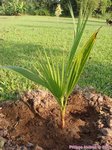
79	62
27	74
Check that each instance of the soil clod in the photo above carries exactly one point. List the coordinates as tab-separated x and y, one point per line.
88	121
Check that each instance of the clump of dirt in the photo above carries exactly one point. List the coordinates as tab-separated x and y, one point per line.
33	122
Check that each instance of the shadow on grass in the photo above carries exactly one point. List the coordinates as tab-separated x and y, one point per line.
19	54
97	75
61	20
57	25
25	55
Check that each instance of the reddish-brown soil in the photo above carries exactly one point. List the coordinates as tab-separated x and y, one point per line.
34	121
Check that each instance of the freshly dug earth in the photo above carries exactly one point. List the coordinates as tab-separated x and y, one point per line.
33	122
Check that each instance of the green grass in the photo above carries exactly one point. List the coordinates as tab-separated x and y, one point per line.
22	37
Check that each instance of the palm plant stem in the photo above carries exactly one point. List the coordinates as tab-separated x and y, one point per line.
63	111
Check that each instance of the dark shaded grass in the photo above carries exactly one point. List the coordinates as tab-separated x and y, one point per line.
21	39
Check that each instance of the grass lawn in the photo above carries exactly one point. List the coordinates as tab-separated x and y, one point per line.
22	37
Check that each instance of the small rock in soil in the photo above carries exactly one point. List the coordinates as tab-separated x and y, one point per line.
97	143
3	123
87	96
40	123
95	104
99	137
103	141
106	132
2	142
2	115
98	108
37	147
95	124
95	97
100	100
47	136
30	145
103	131
102	112
3	133
91	103
77	89
99	121
106	109
10	145
110	123
109	132
89	89
100	126
110	111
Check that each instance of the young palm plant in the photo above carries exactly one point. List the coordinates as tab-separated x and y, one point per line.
61	80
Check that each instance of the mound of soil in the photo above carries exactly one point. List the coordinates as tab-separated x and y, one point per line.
33	122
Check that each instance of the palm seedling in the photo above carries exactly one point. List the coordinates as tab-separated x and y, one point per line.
60	80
